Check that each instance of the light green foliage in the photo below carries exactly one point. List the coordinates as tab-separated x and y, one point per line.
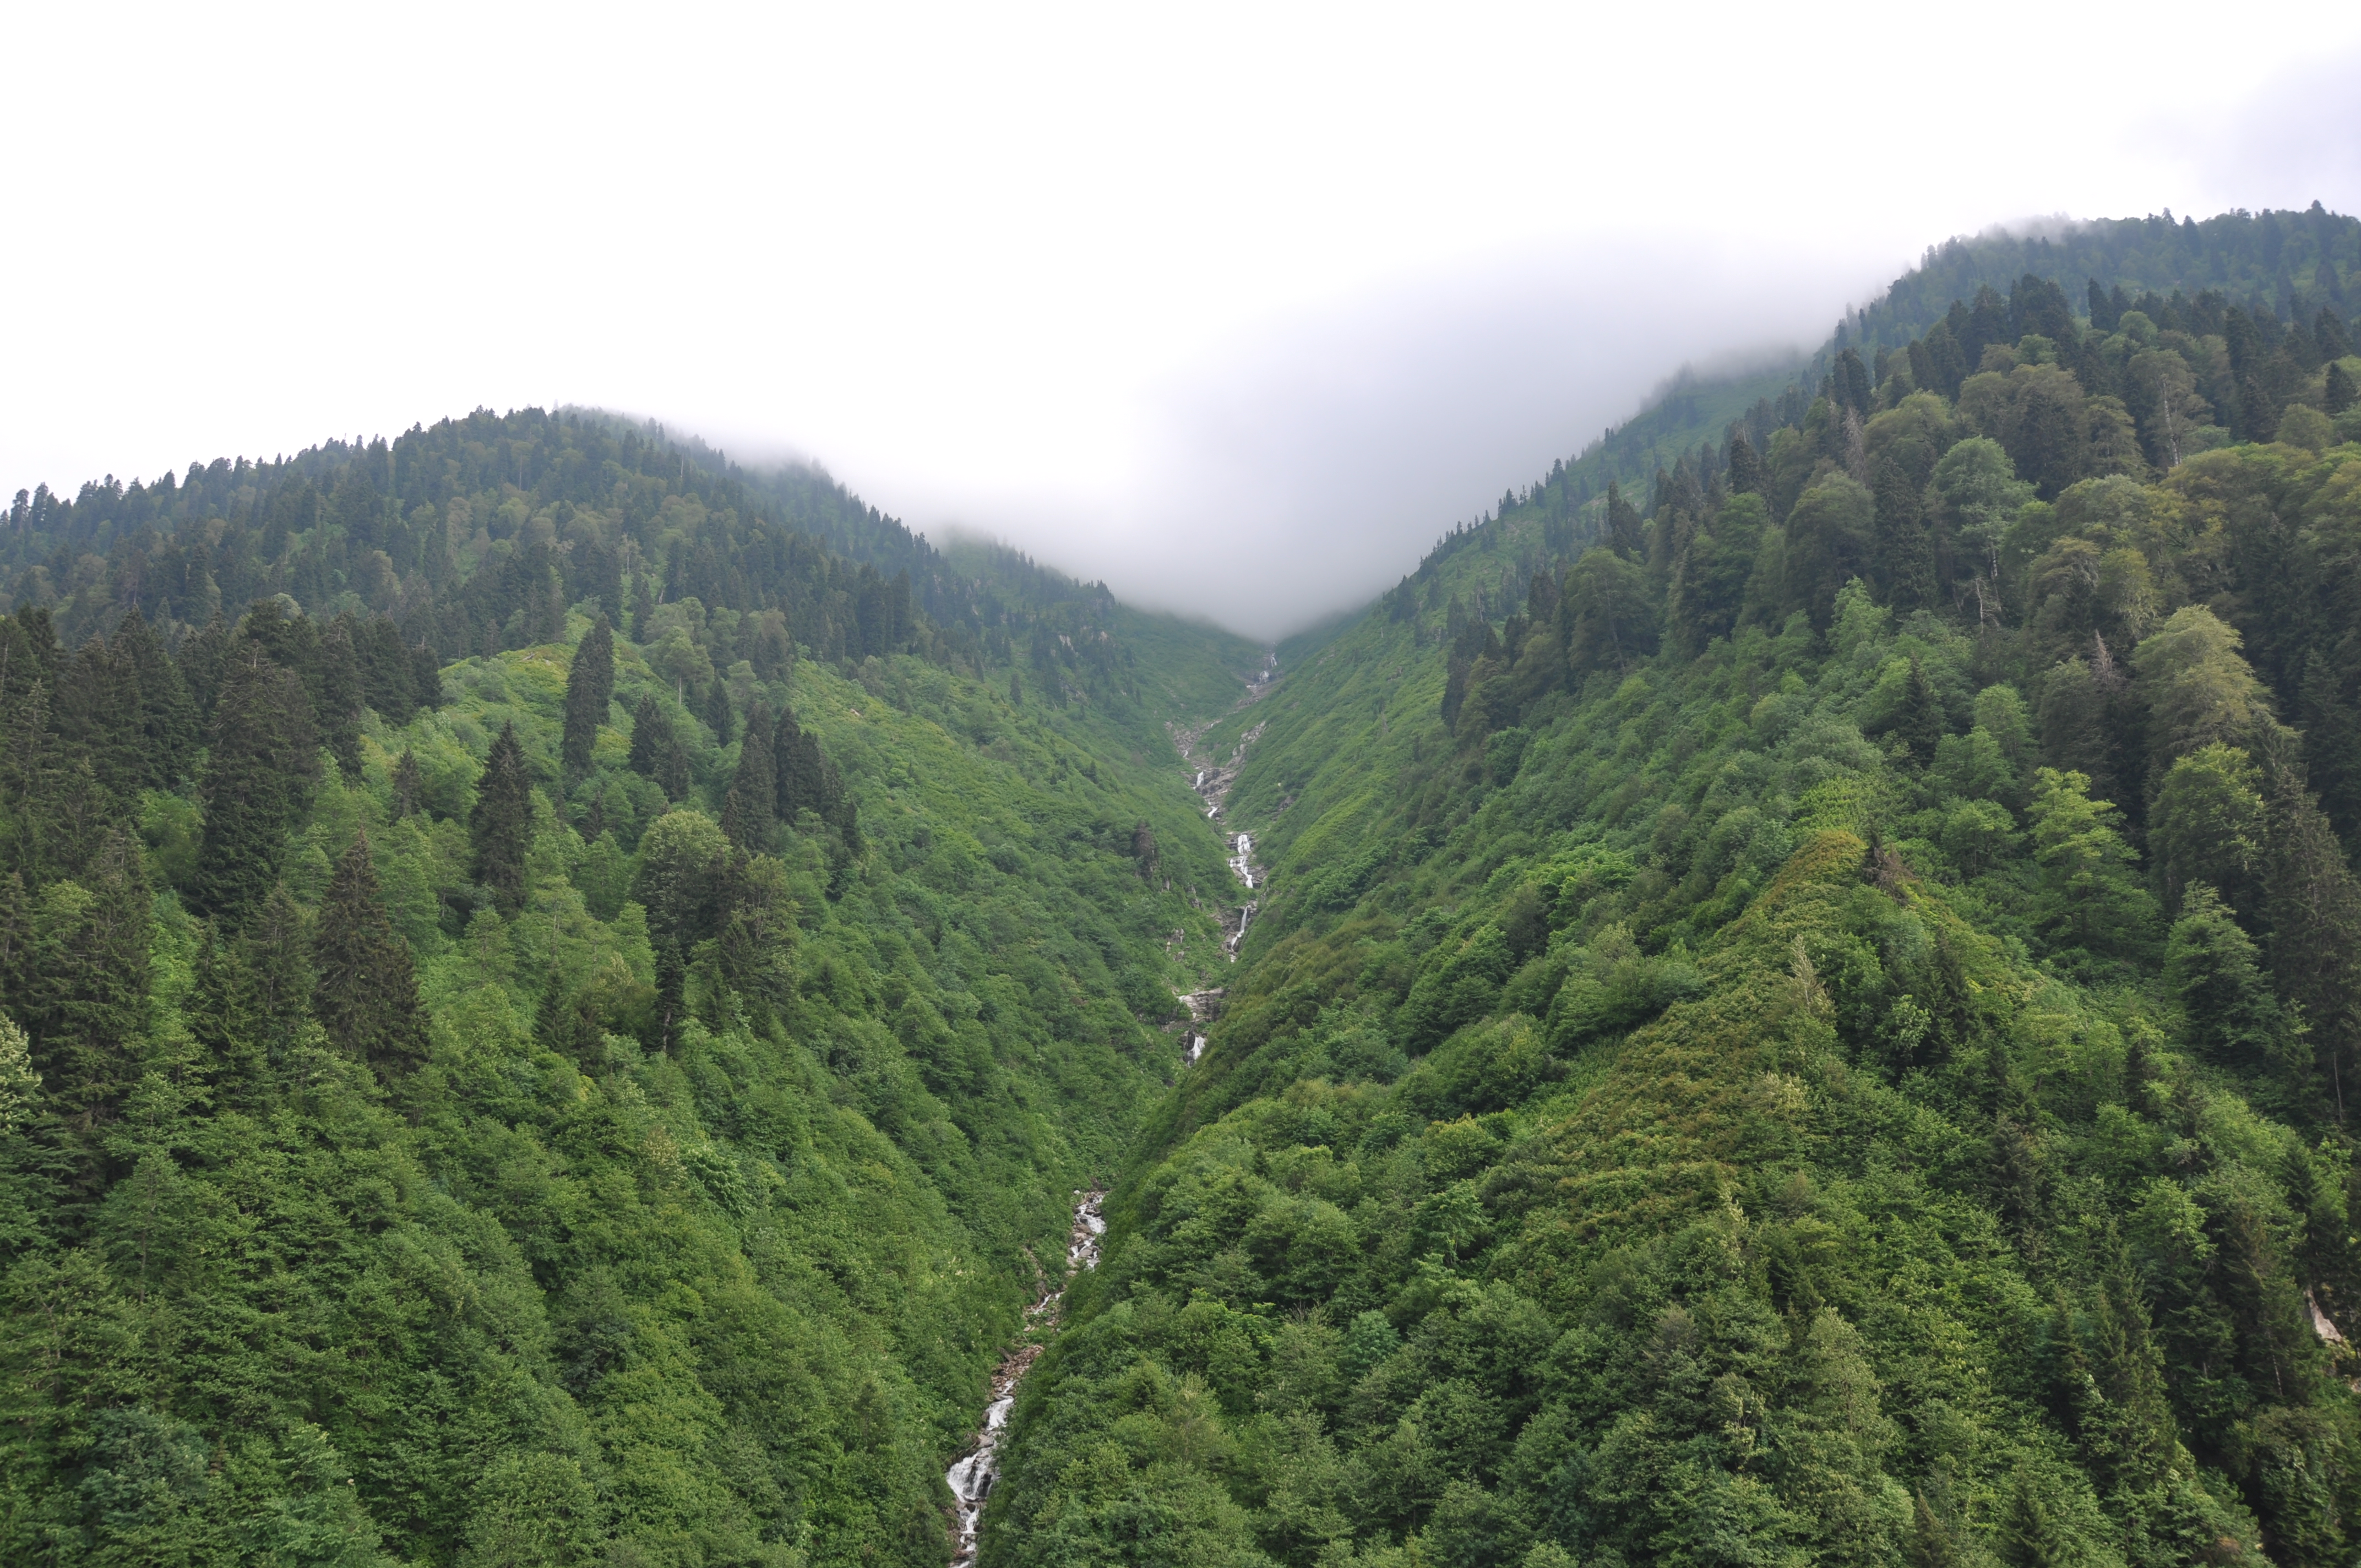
2091	897
2199	692
2207	825
19	1084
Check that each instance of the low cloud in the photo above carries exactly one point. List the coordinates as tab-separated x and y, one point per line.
1302	465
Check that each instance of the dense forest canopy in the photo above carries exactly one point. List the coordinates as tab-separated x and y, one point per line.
1803	1007
1803	982
550	1009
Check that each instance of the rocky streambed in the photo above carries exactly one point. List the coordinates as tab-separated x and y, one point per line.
971	1478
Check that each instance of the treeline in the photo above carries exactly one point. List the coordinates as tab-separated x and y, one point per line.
475	536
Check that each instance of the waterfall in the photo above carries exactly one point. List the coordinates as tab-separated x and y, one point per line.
1242	862
971	1479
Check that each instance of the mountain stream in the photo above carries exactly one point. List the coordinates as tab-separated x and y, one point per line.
971	1479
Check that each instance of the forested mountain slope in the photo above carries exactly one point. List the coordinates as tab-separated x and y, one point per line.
1816	1027
2283	264
606	1095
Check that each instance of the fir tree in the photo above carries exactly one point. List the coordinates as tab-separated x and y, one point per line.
718	713
2313	906
737	820
168	715
366	994
644	606
1920	725
501	824
1930	1544
89	1004
427	677
594	822
2210	968
589	687
340	697
757	775
2027	1537
2339	392
1901	550
650	737
567	1023
1746	473
1624	525
224	1018
278	956
257	779
15	943
98	714
672	772
408	787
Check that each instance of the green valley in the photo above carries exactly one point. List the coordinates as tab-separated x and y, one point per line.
1793	1003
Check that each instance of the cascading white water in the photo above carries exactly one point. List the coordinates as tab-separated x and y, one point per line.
1242	861
971	1479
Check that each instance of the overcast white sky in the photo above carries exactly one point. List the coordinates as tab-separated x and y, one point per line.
1237	306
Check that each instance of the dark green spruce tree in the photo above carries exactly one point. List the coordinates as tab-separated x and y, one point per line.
718	713
650	737
340	697
502	823
88	1005
1901	551
224	1018
168	715
276	951
1624	525
257	779
365	987
759	766
408	787
589	687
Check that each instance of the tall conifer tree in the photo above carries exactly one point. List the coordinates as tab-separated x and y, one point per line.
90	983
1901	550
340	697
757	775
366	994
589	687
263	760
1624	525
168	715
502	822
225	1017
2313	904
277	950
409	789
650	737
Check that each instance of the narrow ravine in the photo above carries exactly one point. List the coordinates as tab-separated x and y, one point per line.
971	1479
1211	780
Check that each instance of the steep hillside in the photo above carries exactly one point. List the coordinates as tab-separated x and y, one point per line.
607	1097
2283	264
1813	1030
